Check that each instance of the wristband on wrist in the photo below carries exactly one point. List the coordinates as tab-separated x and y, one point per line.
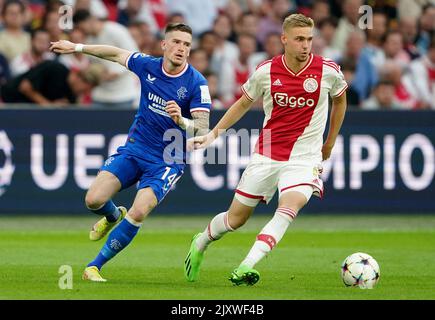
186	124
79	47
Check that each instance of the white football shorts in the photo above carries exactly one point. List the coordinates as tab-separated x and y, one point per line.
263	176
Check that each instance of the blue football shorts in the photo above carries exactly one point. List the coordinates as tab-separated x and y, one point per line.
159	176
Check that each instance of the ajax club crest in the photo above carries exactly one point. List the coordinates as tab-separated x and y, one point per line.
310	85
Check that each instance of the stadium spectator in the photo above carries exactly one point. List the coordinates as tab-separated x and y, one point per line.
248	23
97	8
143	36
40	43
233	10
366	75
199	14
5	73
13	39
176	17
51	24
223	20
142	11
320	10
318	46
54	5
348	67
277	10
212	81
403	98
119	90
156	50
407	26
254	6
1	17
272	47
207	42
393	50
35	14
236	72
76	61
347	24
382	97
326	29
426	27
224	51
50	83
375	36
422	77
410	9
199	60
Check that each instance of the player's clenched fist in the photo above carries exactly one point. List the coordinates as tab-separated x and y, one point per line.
62	46
200	142
174	110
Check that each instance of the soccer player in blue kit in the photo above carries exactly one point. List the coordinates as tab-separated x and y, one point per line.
174	101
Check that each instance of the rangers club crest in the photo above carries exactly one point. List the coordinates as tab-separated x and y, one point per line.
181	93
310	85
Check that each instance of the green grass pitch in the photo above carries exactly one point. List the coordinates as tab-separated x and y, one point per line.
304	265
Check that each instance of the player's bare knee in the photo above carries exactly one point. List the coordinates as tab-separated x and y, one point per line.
94	201
139	212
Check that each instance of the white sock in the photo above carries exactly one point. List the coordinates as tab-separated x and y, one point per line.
270	235
215	230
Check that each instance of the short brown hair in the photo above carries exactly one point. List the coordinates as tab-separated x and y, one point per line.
297	20
178	27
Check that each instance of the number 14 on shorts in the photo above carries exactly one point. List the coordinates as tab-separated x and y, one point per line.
170	179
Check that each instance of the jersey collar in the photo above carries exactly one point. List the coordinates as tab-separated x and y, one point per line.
302	70
175	75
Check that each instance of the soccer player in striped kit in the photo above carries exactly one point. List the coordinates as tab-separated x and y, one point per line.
295	88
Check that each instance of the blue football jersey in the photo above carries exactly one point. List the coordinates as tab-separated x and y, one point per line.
153	134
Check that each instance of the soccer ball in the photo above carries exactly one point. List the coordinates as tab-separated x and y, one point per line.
360	269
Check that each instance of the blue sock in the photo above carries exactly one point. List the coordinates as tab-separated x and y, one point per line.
109	210
118	239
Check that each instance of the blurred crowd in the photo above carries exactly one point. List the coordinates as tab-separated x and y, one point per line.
388	58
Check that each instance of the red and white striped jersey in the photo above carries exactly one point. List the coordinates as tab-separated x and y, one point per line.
295	106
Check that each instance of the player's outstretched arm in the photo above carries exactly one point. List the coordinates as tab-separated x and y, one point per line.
101	51
230	118
338	111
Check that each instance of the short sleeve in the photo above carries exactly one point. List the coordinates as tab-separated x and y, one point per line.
201	99
339	86
251	88
136	62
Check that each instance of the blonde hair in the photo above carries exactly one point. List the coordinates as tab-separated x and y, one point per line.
297	20
93	74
